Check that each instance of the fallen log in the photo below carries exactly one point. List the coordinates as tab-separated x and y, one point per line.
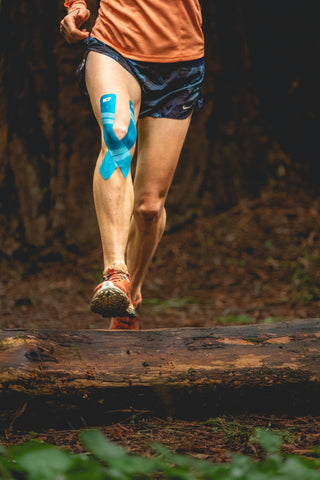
84	377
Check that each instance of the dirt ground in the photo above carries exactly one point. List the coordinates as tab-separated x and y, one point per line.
258	262
212	440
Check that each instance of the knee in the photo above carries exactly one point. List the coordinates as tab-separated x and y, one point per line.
148	213
120	128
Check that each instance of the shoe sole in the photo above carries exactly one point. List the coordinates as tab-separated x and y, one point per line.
125	324
111	301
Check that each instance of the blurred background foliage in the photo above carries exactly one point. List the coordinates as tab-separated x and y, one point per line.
259	125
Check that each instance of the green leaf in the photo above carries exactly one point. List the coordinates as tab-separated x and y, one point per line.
270	441
85	468
122	465
101	447
45	463
297	469
38	461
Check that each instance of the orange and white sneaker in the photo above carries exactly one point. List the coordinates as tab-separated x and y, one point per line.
126	323
112	296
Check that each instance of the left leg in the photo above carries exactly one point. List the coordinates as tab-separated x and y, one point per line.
159	148
107	80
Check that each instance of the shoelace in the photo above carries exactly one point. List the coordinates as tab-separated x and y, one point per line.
115	275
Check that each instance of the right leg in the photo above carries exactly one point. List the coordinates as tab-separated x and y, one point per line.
113	198
160	144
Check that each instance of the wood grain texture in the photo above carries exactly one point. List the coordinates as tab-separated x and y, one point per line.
195	372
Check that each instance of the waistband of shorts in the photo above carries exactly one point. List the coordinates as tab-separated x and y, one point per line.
94	44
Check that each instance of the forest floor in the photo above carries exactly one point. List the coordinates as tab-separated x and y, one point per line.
256	263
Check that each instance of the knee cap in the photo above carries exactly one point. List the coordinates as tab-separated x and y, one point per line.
148	212
120	130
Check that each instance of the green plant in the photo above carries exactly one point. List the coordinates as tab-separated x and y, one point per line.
104	460
240	319
273	319
301	277
268	244
165	306
236	434
309	294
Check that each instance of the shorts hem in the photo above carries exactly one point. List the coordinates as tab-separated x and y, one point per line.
171	116
185	77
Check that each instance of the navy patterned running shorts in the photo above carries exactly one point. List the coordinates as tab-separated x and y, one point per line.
168	90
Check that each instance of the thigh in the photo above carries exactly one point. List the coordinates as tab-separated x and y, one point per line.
104	75
159	147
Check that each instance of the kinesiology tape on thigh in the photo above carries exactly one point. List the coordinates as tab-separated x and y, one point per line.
118	154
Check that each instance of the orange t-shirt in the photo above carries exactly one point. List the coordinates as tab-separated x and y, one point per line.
163	31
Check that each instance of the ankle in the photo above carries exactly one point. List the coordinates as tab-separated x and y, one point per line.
117	267
136	299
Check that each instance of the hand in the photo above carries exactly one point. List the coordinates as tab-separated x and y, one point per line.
69	25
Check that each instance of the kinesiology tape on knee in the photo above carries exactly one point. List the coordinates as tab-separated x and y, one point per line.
118	154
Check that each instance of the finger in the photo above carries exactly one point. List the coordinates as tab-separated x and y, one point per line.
75	35
72	23
83	14
80	15
74	12
80	35
69	27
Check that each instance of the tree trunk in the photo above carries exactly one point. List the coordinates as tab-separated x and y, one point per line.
261	105
60	377
48	136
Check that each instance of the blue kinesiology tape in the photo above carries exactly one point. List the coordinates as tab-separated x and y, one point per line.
118	154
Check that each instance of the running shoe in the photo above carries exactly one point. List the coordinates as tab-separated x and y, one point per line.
126	323
111	297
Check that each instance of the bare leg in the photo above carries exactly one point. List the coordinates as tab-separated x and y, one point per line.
113	197
159	148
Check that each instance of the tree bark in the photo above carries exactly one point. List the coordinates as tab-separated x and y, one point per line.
48	136
59	377
261	106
